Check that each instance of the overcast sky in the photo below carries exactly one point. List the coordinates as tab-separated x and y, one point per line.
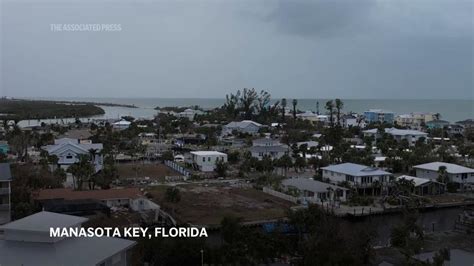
292	48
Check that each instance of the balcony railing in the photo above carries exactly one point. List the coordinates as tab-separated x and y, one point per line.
4	207
4	190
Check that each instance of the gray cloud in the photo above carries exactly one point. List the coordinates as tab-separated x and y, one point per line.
323	18
350	49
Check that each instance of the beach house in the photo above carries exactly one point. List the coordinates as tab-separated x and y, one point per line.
455	173
379	115
410	135
357	175
245	126
268	147
27	241
206	161
309	190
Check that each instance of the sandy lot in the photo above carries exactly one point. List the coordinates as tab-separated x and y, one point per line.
208	205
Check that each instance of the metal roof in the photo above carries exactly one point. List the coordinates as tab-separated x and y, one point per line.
355	169
42	221
450	168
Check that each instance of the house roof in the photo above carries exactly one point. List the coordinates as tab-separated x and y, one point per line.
450	168
263	141
97	249
5	173
208	153
42	221
62	144
380	111
302	183
418	181
103	194
243	124
65	252
355	169
275	148
397	132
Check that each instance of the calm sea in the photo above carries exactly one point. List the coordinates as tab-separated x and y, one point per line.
451	110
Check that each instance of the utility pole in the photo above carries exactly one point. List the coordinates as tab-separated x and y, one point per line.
317	107
202	257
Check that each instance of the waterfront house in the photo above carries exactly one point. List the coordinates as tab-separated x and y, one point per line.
308	115
379	115
415	120
424	186
411	136
245	126
351	120
206	161
189	114
309	190
357	175
68	150
455	173
28	242
268	147
121	125
5	193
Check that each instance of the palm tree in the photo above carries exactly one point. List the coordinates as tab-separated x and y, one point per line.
295	102
330	108
283	107
442	174
339	105
81	170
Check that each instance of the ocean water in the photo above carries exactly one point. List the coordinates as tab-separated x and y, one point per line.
450	110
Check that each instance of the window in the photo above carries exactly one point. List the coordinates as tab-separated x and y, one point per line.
208	159
203	159
69	156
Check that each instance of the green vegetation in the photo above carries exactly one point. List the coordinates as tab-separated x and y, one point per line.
28	109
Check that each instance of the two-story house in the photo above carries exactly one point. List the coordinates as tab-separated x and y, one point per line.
206	161
268	147
455	173
410	135
5	193
357	175
245	126
68	150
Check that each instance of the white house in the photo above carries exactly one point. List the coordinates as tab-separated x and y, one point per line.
189	114
68	151
412	136
456	173
314	191
27	242
308	115
268	147
245	126
206	161
122	124
424	186
5	193
360	176
351	120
